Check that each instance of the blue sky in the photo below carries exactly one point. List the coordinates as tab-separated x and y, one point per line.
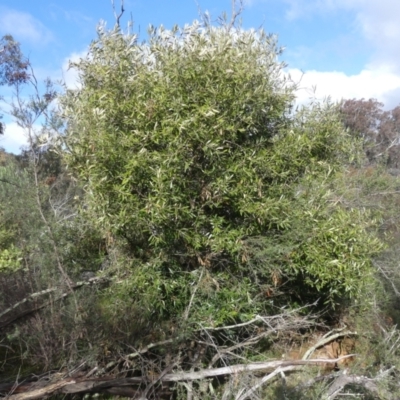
345	48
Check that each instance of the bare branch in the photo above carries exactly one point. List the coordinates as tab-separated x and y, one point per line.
259	318
259	366
325	341
98	385
118	16
266	378
36	295
344	380
236	11
186	313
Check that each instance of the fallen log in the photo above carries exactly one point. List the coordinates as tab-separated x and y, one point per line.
135	387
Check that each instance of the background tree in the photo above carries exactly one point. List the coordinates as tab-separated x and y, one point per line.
375	185
13	65
379	129
43	247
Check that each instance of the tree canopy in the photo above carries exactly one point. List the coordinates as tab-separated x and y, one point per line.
191	152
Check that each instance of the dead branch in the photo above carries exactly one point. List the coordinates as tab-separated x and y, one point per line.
132	385
36	295
253	367
27	299
269	321
186	313
229	350
340	383
311	382
385	274
138	353
118	16
235	12
325	340
279	370
274	325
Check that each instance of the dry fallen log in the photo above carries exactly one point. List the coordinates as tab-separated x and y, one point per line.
253	367
133	387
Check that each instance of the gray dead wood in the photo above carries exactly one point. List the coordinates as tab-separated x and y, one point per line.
37	295
131	385
339	384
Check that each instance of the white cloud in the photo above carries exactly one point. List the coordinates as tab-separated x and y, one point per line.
376	21
24	26
70	75
14	138
369	83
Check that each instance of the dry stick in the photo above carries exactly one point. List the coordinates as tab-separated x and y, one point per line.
316	379
50	290
189	385
186	313
26	299
248	342
266	378
257	318
50	231
259	366
159	379
118	16
368	383
31	297
42	392
325	341
344	380
70	385
138	353
235	13
253	340
383	272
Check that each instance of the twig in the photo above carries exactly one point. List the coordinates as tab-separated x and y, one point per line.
279	370
344	380
98	385
186	313
258	318
325	341
139	352
235	13
387	277
248	342
118	16
44	292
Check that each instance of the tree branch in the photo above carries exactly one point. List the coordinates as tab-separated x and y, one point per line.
259	366
74	386
325	341
36	295
118	16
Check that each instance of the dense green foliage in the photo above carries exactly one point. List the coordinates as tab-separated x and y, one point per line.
178	214
17	211
190	152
